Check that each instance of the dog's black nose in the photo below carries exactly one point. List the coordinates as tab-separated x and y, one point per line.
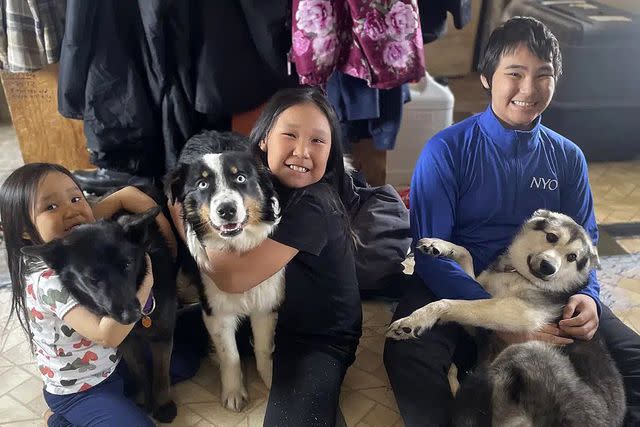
547	268
227	211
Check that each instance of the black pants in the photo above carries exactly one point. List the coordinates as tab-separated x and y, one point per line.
306	385
418	369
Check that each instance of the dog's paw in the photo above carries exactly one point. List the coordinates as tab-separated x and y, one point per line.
166	413
404	329
235	399
437	247
414	325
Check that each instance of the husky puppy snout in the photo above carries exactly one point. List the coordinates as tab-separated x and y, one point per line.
543	266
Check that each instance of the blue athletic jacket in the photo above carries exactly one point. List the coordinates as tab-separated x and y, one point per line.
476	182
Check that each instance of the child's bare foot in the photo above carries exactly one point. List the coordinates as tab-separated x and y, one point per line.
47	414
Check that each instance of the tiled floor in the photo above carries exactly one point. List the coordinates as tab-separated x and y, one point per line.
366	398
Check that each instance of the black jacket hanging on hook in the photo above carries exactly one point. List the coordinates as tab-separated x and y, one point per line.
143	75
433	16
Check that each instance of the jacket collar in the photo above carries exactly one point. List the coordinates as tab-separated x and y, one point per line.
511	141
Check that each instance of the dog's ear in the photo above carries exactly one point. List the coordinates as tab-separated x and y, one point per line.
52	253
539	220
174	183
541	213
136	226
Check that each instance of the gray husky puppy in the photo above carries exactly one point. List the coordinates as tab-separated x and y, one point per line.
534	383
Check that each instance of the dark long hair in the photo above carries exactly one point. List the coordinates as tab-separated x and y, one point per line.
519	30
17	200
334	175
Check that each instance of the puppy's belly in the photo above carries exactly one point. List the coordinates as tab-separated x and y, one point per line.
267	296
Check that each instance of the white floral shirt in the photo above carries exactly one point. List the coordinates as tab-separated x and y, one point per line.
68	362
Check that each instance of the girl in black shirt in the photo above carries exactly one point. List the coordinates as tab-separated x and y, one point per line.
320	321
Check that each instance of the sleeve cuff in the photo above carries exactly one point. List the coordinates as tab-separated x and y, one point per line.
596	299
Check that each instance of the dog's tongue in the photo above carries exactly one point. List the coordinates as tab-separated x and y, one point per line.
229	227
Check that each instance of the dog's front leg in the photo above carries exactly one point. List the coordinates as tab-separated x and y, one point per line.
498	314
417	322
263	326
133	350
165	409
222	329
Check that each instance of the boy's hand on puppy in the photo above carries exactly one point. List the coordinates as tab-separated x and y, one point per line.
580	317
549	333
176	216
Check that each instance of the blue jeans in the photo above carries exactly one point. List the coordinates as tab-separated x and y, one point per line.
102	405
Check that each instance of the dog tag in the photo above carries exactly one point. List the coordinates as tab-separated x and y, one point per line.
146	321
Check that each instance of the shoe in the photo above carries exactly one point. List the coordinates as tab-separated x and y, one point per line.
100	181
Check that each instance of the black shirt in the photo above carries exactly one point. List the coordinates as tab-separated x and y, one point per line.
322	300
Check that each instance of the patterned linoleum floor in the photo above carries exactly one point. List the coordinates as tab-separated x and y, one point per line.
366	398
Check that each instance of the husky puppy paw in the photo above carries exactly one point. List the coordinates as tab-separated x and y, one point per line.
438	248
415	324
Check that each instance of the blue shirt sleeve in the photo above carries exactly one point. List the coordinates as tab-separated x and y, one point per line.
577	202
433	199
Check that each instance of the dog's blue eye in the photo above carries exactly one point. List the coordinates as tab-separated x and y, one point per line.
240	179
552	238
571	257
202	184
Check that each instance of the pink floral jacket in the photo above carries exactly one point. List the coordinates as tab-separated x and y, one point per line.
379	41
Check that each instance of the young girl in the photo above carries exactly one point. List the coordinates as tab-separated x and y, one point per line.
75	349
320	322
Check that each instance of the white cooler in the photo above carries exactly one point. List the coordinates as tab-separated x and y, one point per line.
429	111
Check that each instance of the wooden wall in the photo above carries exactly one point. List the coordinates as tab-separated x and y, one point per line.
43	134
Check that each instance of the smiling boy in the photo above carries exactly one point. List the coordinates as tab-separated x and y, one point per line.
475	184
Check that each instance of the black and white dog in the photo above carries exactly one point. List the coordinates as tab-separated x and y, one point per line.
102	265
229	204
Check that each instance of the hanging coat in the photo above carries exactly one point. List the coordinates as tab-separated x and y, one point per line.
144	75
125	71
30	33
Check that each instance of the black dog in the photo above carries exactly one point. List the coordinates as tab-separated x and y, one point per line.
102	265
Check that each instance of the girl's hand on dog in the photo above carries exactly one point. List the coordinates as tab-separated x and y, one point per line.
176	216
580	317
147	283
550	333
